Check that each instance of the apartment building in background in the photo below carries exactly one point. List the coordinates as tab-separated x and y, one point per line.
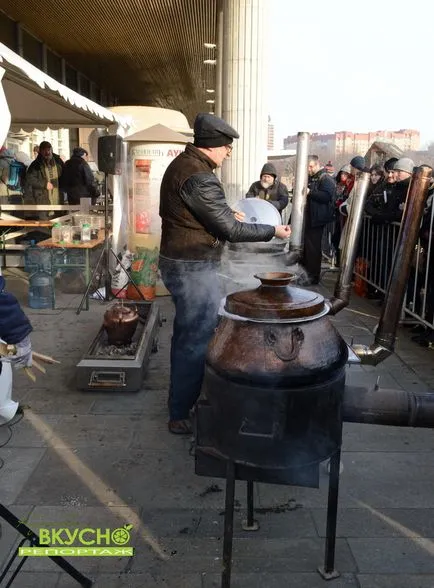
341	143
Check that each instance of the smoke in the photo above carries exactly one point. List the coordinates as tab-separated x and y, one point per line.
242	262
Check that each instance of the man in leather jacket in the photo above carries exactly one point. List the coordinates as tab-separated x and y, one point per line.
196	221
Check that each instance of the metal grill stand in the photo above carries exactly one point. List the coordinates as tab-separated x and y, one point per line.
33	539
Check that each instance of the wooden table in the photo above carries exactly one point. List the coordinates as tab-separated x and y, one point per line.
87	246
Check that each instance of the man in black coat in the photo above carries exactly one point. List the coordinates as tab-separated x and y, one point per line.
321	193
43	178
78	180
269	188
196	221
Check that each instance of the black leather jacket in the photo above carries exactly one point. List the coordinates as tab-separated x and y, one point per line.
196	219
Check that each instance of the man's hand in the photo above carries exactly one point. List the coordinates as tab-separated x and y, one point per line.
239	216
50	186
282	231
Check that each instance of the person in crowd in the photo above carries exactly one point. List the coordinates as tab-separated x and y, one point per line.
380	202
376	179
43	179
403	170
35	151
196	221
12	177
78	180
330	169
319	212
344	185
269	188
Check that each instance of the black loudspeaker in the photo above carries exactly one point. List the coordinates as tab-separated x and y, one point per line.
109	154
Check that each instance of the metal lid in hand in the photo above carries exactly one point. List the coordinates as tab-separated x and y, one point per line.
258	211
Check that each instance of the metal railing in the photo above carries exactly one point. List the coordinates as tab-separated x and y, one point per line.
375	255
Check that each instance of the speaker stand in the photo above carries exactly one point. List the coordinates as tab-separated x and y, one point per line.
103	263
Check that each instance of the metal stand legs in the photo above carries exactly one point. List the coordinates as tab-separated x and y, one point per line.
33	539
329	572
229	524
250	524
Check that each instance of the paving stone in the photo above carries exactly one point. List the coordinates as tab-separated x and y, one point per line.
249	555
35	579
393	556
59	401
129	580
395	580
361	437
87	430
25	434
133	476
282	580
356	522
177	523
18	466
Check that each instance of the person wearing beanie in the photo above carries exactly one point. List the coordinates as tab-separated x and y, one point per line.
358	163
196	221
269	188
78	180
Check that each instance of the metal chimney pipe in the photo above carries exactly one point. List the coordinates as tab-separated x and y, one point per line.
342	292
299	200
386	406
384	342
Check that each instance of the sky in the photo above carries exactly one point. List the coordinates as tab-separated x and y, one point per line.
354	66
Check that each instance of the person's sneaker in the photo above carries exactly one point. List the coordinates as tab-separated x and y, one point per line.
182	427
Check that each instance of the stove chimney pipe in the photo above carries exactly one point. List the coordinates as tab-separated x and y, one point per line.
342	293
387	406
385	337
299	200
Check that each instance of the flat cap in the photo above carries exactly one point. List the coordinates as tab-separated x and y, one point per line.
212	131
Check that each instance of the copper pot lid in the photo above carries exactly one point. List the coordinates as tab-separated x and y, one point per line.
275	299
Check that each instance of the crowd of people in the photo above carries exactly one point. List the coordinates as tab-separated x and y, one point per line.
47	179
387	192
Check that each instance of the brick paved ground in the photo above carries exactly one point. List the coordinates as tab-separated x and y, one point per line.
101	459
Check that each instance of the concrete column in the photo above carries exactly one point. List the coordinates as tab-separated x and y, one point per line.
244	92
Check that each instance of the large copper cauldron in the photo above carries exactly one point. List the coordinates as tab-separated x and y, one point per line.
275	377
120	322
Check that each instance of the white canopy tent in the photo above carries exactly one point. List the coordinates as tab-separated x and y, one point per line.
30	99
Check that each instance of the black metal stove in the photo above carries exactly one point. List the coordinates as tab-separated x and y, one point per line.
121	369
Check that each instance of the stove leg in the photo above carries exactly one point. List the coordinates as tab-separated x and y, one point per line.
329	572
229	525
250	524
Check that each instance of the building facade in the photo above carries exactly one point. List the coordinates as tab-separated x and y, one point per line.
341	143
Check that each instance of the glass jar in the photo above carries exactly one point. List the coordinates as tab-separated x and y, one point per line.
85	232
66	234
56	233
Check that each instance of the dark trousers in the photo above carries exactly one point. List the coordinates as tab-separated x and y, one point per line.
312	253
195	291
